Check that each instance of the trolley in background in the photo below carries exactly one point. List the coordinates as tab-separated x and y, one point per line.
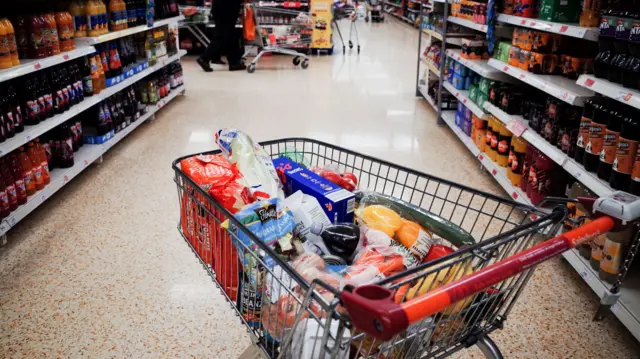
283	28
429	311
345	10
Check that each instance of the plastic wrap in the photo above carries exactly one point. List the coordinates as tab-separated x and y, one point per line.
253	162
346	180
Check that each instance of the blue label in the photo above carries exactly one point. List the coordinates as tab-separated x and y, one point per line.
623	28
80	22
608	27
94	21
131	14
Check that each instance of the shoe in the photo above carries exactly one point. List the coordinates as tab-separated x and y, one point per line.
204	64
237	67
218	61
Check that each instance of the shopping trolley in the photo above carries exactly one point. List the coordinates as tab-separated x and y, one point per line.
341	11
290	316
282	30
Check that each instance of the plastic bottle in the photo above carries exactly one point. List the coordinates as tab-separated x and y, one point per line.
609	145
29	104
78	12
119	19
7	177
132	17
26	170
597	131
6	114
44	164
634	188
16	172
115	66
13	45
47	94
5	53
4	200
16	109
65	30
92	11
36	165
21	26
105	16
341	239
54	40
65	146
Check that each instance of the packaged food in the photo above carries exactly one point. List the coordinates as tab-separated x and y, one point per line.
252	161
336	202
346	180
560	11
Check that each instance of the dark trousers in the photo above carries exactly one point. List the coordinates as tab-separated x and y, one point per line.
226	39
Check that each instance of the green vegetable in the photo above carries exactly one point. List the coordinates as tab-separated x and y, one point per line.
436	224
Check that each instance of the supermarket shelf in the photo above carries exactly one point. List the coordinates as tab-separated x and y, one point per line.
453	39
393	4
82	159
610	89
573	30
238	26
499	173
463	96
481	67
31	132
400	17
556	86
467	23
626	308
424	94
431	67
590	180
127	32
28	66
413	10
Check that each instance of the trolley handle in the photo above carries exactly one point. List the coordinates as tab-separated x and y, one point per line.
373	310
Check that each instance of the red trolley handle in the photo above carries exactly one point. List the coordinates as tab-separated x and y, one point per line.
373	311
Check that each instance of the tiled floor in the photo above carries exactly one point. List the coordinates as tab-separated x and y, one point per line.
100	270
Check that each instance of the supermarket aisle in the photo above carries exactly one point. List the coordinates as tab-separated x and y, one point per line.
100	271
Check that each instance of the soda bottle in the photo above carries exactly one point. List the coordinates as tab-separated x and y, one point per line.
38	93
58	100
7	177
16	171
5	52
5	210
36	166
6	114
77	10
11	37
37	42
26	171
609	145
16	109
65	146
53	33
102	75
80	133
47	95
28	104
44	164
141	12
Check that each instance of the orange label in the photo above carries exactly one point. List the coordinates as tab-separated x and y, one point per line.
635	173
609	147
596	138
597	247
611	257
625	153
488	137
583	135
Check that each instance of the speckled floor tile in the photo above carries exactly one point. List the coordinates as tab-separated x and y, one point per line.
100	271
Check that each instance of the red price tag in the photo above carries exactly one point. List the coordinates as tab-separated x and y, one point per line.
457	94
464	101
65	56
493	172
566	94
516	127
532	24
522	76
505	69
628	98
523	22
86	163
37	66
293	4
66	178
481	157
564	28
589	82
514	195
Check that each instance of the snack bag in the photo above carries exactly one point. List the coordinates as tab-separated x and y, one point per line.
220	178
252	161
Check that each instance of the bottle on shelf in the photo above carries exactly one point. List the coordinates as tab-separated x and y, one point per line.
115	66
65	30
64	146
37	38
597	130
103	16
86	72
36	166
22	35
603	60
52	27
609	145
16	109
79	14
101	74
5	210
26	169
11	38
621	37
614	252
7	177
42	157
118	17
6	115
583	134
16	171
634	188
5	52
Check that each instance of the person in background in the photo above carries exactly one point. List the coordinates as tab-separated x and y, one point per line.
226	39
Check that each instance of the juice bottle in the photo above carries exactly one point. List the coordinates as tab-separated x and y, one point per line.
65	146
26	170
609	145
7	177
36	166
101	72
92	10
118	15
597	130
5	53
95	75
104	17
37	45
78	12
46	35
53	33
4	200
44	164
65	31
635	175
519	148
13	45
614	253
22	36
16	171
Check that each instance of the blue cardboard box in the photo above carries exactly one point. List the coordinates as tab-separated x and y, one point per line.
98	140
337	202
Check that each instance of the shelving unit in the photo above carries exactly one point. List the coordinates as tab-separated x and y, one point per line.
557	86
88	153
431	67
625	304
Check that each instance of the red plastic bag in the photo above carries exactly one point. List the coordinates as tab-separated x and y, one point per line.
249	27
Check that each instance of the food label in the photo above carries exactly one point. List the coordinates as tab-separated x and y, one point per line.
4	46
503	145
28	179
597	247
48	102
583	135
80	23
635	173
596	138
625	151
408	258
17	119
611	257
37	39
610	144
4	199
421	246
11	192
94	22
20	186
33	109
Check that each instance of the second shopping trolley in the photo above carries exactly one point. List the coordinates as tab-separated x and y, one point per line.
282	28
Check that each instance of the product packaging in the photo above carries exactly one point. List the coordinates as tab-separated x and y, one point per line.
336	202
306	212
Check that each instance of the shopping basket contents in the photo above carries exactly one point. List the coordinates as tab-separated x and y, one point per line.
324	252
282	28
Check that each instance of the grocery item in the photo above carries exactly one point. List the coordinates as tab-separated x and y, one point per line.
346	180
36	164
609	145
340	239
614	253
5	52
52	31
624	157
26	172
431	222
64	21
415	238
597	130
11	38
307	212
381	218
597	248
253	162
78	12
336	202
118	16
38	38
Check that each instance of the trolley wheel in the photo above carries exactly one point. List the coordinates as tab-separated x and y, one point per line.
296	61
251	68
305	64
350	44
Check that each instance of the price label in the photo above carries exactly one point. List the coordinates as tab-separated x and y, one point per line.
523	22
65	57
532	24
464	101
494	172
12	221
28	138
505	69
514	195
565	95
516	127
86	162
522	76
37	66
483	28
624	96
65	178
589	82
481	157
564	29
584	274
